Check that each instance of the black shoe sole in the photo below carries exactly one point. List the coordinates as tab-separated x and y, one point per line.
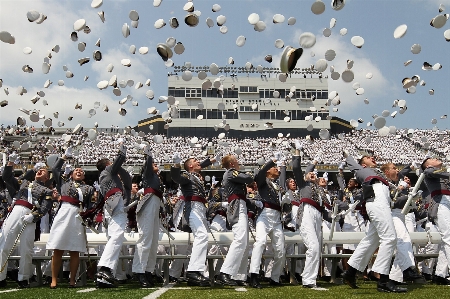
198	283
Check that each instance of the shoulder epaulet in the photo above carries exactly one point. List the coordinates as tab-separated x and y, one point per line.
235	173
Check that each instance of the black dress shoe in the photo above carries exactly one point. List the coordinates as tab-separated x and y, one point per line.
104	285
390	287
23	284
106	274
225	279
309	286
441	280
275	283
3	283
142	279
298	277
349	279
173	279
150	278
241	283
411	274
194	278
254	281
427	276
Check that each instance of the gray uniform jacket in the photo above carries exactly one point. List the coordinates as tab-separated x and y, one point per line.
192	186
68	187
438	184
234	187
150	179
356	193
41	195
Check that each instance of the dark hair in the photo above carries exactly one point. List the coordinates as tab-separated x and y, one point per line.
422	166
101	164
186	164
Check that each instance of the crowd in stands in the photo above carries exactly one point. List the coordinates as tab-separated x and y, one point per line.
400	148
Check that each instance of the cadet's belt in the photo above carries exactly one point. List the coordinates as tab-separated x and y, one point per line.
181	197
195	198
295	203
71	200
236	196
311	202
374	178
440	192
112	192
154	191
24	203
272	206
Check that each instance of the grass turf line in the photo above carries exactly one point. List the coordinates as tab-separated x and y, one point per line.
133	290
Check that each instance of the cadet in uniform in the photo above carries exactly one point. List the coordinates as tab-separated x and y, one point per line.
381	230
235	191
192	186
115	188
33	200
147	215
67	233
268	222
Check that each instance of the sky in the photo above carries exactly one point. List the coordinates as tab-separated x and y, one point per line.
375	21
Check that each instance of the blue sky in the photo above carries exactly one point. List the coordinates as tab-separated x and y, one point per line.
375	21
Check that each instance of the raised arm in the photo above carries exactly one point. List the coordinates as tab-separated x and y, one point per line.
10	180
118	161
241	178
206	163
297	170
404	172
56	171
260	177
175	173
352	164
283	176
433	173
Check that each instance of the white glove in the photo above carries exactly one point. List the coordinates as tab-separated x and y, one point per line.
96	186
147	150
120	140
213	181
285	199
67	169
224	204
123	149
140	192
325	176
131	234
28	218
218	157
13	157
345	153
68	152
428	155
279	163
38	165
416	164
277	156
318	157
342	165
259	204
298	145
141	146
403	184
176	158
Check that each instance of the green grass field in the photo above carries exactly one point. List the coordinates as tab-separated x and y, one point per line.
132	290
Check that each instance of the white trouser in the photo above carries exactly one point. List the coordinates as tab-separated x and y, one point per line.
310	231
443	226
197	223
116	227
404	257
147	244
236	260
268	224
410	222
10	230
380	233
218	224
331	248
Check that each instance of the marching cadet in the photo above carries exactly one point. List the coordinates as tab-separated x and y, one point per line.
67	233
437	180
268	222
115	187
33	200
235	192
192	186
403	268
148	223
381	230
